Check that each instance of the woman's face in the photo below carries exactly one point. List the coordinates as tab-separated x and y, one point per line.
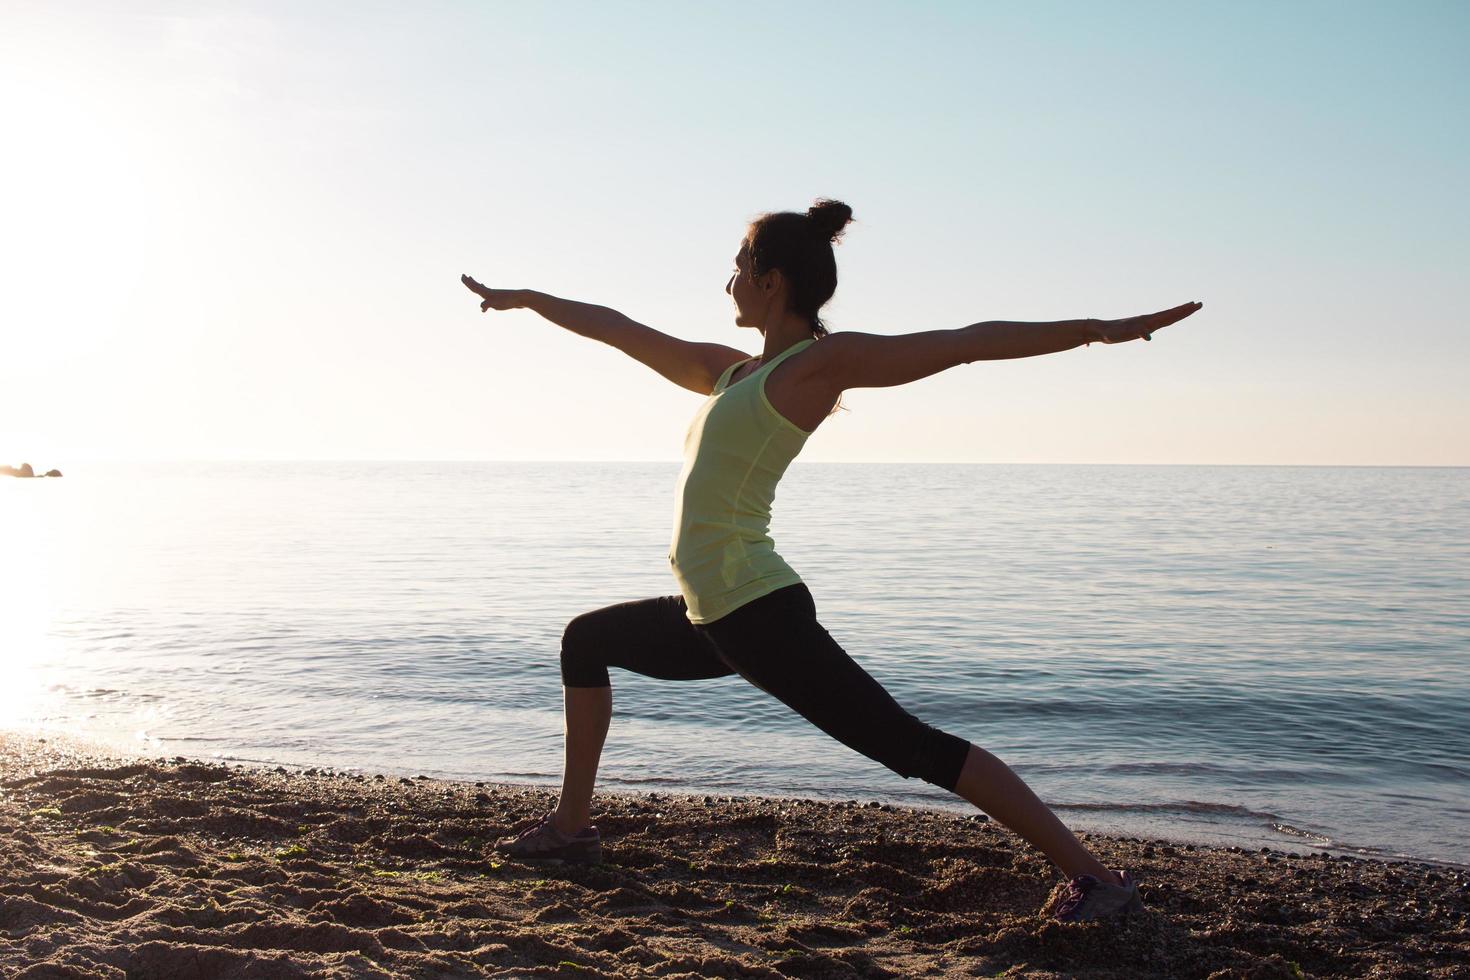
743	290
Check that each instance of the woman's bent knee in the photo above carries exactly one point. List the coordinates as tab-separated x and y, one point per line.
581	655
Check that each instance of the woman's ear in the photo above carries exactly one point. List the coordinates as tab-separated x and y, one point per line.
771	282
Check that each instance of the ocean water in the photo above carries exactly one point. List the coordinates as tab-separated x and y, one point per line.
1262	656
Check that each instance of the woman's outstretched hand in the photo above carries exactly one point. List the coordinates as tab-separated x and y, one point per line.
1133	327
494	299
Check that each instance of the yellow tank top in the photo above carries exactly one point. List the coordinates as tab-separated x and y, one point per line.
735	452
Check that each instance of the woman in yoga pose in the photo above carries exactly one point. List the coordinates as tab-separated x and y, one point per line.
741	608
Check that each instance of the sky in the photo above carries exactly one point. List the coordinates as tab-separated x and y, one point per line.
235	231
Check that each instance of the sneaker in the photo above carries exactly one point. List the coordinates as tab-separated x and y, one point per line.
1086	898
544	842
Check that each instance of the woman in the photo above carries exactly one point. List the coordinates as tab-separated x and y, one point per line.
740	608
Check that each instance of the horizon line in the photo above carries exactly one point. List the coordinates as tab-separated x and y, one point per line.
671	462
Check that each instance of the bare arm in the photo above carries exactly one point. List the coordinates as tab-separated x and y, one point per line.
688	364
862	360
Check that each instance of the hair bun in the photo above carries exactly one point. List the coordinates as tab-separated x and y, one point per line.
829	218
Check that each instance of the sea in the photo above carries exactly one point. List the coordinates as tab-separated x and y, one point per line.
1253	656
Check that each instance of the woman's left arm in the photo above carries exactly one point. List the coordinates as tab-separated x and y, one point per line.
865	360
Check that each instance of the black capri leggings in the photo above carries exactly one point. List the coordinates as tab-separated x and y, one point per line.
776	643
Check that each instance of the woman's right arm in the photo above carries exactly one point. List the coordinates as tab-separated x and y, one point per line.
687	364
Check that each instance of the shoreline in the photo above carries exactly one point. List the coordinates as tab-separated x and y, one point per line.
120	864
1183	829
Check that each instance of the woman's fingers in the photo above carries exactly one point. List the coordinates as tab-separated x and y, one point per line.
1175	315
1181	311
486	294
1133	328
1165	317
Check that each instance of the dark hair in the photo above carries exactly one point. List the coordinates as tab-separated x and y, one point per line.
800	245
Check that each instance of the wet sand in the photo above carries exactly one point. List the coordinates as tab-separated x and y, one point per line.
126	868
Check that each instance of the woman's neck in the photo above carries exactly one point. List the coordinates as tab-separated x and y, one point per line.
790	330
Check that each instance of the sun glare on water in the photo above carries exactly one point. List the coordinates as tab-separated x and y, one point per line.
28	600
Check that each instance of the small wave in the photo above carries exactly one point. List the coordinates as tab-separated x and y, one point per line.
102	693
690	786
246	758
669	781
1290	831
1255	772
1184	806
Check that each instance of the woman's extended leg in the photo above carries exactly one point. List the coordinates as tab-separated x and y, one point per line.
777	644
992	786
647	636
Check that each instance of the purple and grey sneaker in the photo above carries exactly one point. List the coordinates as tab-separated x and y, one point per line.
544	842
1086	898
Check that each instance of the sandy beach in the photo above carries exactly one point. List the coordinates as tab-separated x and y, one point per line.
122	867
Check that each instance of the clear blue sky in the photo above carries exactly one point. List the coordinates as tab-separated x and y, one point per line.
236	230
